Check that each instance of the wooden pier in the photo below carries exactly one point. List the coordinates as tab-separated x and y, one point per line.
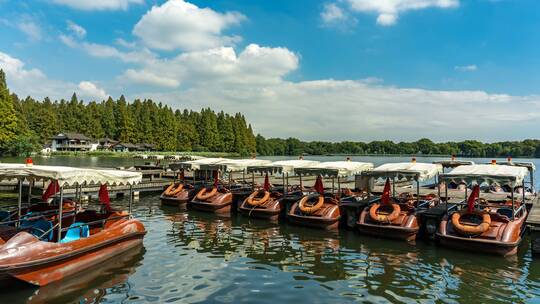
533	224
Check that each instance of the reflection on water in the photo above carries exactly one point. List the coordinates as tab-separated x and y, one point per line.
191	257
196	257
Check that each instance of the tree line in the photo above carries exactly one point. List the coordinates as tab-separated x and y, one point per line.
467	148
27	123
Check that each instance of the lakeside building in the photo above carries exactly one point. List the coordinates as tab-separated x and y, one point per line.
124	147
70	141
107	143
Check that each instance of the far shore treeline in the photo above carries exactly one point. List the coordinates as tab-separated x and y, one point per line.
27	124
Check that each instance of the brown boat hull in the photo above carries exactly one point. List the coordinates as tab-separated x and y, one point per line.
404	227
502	237
269	211
41	263
220	203
327	219
181	199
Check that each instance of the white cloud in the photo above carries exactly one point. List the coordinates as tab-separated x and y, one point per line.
336	16
31	29
76	29
126	44
87	88
466	68
388	11
107	51
386	19
354	110
90	5
177	24
332	13
33	82
254	65
148	78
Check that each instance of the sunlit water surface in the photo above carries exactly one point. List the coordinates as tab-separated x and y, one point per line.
191	257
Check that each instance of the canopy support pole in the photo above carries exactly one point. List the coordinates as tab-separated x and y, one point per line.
244	177
230	179
19	204
252	181
60	213
300	180
339	186
394	186
439	189
513	205
417	193
29	197
130	198
333	186
446	196
532	182
285	186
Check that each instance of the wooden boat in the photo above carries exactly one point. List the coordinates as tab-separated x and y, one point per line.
219	198
178	194
394	216
267	203
92	284
37	262
320	209
91	237
494	227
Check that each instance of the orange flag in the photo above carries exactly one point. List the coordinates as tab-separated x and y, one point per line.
385	199
472	198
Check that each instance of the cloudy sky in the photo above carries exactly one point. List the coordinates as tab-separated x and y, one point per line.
312	69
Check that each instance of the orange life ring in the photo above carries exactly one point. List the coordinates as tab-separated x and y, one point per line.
384	218
251	200
312	208
470	229
202	195
174	189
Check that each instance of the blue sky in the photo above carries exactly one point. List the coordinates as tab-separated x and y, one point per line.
329	70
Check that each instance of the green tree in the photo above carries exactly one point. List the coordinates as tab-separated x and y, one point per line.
8	117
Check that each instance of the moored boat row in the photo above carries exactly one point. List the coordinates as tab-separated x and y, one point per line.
421	208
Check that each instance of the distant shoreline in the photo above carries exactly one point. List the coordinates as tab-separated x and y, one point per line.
236	155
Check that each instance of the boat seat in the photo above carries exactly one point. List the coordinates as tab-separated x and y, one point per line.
5	216
505	212
76	231
40	228
423	204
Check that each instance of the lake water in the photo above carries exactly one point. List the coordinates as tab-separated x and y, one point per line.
191	257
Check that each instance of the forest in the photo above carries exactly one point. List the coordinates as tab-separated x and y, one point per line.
26	124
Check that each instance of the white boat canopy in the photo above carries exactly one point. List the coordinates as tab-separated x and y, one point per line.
501	174
195	164
530	166
237	165
449	163
282	166
408	171
69	175
335	169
